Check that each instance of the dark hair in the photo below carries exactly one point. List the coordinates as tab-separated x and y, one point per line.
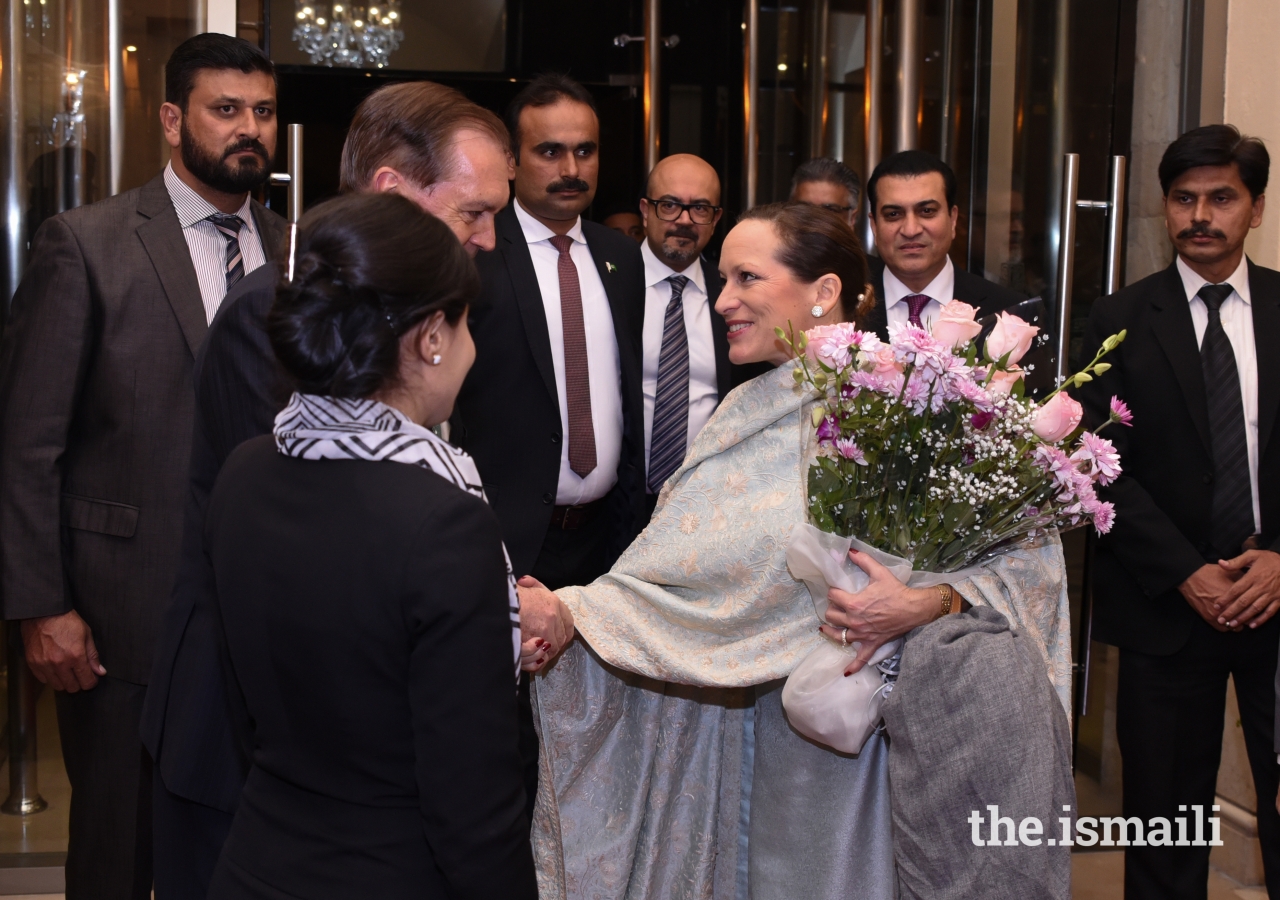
831	171
909	164
817	242
545	90
1217	145
410	127
209	51
368	268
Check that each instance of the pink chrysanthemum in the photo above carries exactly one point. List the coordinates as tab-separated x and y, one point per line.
849	450
1100	456
1120	412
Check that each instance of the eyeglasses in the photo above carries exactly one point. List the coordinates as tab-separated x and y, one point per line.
670	210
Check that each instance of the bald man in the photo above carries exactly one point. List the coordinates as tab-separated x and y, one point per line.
686	369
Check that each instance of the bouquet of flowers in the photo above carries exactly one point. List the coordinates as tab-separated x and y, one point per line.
928	453
931	459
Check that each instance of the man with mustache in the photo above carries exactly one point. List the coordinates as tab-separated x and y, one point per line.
552	410
686	353
450	157
1187	584
96	413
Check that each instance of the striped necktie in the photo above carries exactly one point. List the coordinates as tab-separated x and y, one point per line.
230	227
671	402
1231	517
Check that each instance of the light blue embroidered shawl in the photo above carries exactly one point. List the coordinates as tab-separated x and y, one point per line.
639	796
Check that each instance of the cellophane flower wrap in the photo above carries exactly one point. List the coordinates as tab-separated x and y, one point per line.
930	453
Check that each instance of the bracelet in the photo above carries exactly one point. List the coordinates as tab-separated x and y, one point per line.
947	595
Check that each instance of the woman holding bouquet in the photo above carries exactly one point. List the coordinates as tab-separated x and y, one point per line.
669	770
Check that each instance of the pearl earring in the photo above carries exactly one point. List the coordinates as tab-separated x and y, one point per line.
435	360
862	297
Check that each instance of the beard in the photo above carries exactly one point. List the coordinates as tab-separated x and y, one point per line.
214	169
677	253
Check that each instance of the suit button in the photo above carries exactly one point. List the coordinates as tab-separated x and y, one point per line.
1208	479
555	437
548	499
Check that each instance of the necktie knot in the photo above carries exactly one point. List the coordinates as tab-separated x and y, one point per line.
229	225
1214	295
678	283
561	242
915	305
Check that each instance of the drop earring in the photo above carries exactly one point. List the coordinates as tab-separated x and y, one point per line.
817	312
435	360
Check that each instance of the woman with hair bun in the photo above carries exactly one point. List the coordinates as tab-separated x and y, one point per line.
371	618
669	769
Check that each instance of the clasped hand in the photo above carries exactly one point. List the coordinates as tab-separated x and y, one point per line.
1236	592
61	652
882	611
546	625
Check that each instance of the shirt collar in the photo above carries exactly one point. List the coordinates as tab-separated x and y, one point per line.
942	289
1239	280
656	271
192	208
535	231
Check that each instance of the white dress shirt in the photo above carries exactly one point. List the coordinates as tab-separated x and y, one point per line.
940	291
704	389
602	357
1237	322
207	244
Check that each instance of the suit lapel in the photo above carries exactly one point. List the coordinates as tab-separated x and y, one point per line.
625	323
161	236
271	228
524	283
719	330
1177	337
1264	297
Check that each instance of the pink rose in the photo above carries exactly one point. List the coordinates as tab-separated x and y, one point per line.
884	362
1002	382
955	326
1012	336
1057	418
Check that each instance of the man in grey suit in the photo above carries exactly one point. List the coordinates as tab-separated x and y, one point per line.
95	432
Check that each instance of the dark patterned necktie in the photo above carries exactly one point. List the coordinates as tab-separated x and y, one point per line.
671	400
577	372
230	226
1232	517
915	305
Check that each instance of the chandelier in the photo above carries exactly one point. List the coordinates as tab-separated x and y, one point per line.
353	36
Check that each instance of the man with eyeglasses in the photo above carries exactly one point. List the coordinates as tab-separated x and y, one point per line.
828	183
686	368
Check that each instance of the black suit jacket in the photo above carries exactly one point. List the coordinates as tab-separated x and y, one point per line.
194	730
508	413
95	413
987	297
1164	498
367	619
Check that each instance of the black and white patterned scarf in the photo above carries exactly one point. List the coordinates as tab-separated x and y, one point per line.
314	427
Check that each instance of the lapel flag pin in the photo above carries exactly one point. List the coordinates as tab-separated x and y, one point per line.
611	267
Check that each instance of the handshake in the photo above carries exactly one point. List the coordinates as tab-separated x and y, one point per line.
546	625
